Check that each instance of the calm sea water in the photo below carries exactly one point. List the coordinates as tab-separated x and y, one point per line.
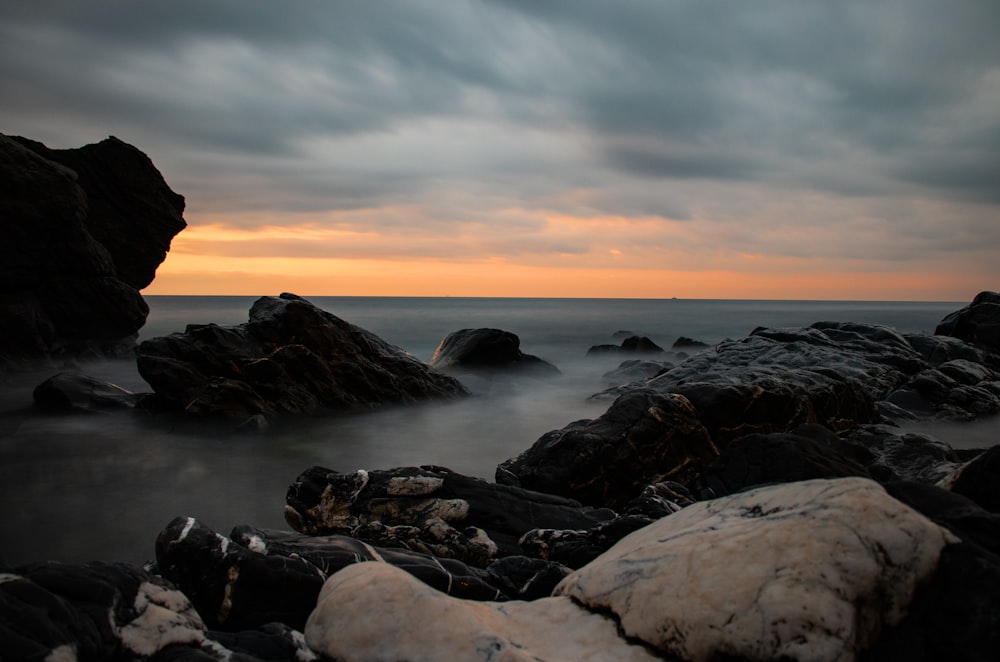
101	487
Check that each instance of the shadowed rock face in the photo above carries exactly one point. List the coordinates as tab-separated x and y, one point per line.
978	323
483	350
131	210
63	290
289	358
644	437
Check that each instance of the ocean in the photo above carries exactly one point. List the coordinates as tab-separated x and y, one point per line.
78	488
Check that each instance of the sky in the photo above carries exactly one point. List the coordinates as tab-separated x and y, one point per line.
760	149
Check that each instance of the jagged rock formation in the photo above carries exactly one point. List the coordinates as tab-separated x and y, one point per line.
85	230
289	358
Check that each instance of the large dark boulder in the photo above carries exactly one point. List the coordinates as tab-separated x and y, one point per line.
978	323
289	358
487	350
429	509
63	291
645	437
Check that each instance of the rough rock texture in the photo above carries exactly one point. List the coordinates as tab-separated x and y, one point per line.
630	345
63	290
780	457
69	391
479	350
429	509
978	323
832	373
360	609
811	570
97	611
575	548
644	437
254	577
635	370
289	358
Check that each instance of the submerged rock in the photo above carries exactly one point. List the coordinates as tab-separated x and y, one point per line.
429	509
70	391
630	345
479	350
289	358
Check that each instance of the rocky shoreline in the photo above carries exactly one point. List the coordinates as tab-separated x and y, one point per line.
752	500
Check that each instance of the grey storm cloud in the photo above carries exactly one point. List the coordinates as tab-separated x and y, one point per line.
318	105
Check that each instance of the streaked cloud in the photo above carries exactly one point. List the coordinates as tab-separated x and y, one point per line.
696	138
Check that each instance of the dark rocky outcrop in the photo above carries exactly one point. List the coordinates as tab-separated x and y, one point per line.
289	358
630	345
689	343
765	459
635	370
836	374
977	324
979	480
429	509
644	437
487	350
70	391
84	231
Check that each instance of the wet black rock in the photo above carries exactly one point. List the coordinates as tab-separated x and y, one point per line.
644	437
429	509
689	343
635	370
70	391
487	350
290	358
977	324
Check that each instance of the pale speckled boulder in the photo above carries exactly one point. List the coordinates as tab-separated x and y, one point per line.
806	571
373	611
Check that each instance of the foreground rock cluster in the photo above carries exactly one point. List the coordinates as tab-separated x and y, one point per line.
755	501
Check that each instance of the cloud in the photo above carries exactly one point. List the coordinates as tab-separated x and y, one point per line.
844	130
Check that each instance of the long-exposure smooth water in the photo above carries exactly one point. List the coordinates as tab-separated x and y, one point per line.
100	487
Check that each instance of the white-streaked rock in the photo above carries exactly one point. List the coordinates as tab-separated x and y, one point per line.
374	611
808	571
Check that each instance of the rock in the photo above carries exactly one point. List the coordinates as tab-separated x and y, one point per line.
479	350
69	391
644	437
62	293
780	457
890	455
367	612
835	374
979	480
290	358
689	343
255	577
640	345
635	370
631	344
130	209
95	611
429	509
810	570
977	324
